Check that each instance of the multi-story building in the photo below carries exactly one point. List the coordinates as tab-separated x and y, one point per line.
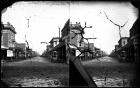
8	39
88	55
97	50
8	35
123	41
34	53
53	43
116	47
21	45
128	49
48	48
74	28
20	50
62	47
69	41
75	39
134	40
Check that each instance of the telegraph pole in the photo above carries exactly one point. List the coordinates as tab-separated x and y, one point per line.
25	45
28	19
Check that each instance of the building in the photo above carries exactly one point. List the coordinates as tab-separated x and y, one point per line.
123	41
134	40
54	53
20	50
8	40
47	53
88	55
129	50
116	47
69	43
21	45
8	35
54	41
74	28
61	48
75	39
59	52
48	48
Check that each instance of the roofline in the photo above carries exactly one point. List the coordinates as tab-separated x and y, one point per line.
54	38
65	24
8	28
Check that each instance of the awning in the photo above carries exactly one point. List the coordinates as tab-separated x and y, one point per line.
3	47
58	46
11	48
130	43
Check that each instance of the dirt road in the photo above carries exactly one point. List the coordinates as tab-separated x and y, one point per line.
35	72
108	72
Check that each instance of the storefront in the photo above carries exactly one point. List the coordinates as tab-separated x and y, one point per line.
59	53
4	53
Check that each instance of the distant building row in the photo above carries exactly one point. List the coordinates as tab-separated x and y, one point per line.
10	49
58	50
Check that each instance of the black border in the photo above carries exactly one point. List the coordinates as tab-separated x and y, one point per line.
6	3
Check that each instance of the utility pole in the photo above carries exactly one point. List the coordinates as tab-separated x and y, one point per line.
28	19
25	45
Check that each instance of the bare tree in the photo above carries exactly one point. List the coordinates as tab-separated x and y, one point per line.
81	30
120	26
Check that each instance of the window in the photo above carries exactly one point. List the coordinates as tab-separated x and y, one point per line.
54	54
123	42
55	42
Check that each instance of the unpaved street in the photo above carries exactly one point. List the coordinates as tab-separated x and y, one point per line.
35	72
39	72
108	72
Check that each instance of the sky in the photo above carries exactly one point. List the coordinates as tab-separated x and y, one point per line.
45	18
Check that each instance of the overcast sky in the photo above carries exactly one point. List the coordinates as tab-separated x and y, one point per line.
45	17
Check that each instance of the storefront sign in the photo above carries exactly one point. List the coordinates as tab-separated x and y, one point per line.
77	52
9	53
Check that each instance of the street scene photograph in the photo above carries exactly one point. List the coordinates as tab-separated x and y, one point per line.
70	44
